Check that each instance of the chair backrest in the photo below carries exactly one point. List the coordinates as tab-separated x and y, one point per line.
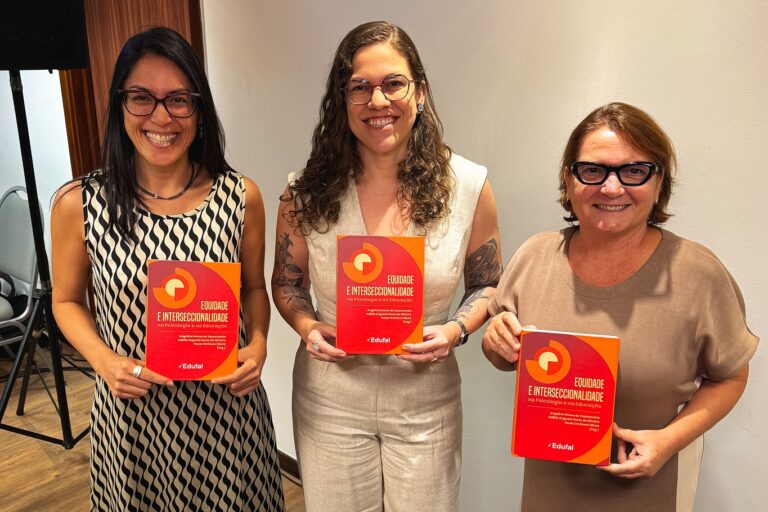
17	246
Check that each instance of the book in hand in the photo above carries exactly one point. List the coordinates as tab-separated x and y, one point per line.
566	386
192	319
379	293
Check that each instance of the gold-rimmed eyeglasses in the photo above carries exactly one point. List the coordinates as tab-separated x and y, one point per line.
393	87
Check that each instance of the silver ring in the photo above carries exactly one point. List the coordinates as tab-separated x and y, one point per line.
136	372
315	347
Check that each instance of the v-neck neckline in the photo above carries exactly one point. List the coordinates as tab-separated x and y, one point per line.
361	219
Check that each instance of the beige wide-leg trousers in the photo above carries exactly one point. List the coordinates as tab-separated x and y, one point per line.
378	434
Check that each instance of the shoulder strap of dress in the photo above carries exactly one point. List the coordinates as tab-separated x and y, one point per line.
470	178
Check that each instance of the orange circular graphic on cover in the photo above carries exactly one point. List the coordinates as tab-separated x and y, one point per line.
177	290
364	264
550	364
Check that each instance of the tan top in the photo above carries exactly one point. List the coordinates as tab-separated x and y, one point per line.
680	317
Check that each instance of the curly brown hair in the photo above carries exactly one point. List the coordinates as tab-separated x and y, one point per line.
426	181
641	132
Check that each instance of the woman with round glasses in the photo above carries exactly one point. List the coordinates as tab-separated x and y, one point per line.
685	345
165	192
377	431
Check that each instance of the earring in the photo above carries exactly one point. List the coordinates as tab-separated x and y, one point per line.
420	108
201	130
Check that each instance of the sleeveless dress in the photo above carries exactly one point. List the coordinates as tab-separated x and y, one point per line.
195	446
377	431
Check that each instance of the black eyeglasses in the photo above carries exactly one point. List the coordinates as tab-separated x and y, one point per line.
394	87
630	174
142	103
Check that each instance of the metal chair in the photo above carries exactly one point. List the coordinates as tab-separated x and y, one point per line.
17	259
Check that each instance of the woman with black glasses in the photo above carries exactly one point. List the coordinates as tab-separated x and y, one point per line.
685	345
380	432
165	192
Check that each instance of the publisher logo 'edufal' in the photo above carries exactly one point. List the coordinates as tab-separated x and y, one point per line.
550	364
177	290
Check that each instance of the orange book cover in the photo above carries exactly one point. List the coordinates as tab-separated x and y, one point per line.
566	387
379	293
193	317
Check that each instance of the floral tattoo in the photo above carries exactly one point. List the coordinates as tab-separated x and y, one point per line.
483	270
290	278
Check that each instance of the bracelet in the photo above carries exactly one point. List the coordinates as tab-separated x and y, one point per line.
464	332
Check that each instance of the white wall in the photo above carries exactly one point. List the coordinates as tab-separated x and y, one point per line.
47	133
511	80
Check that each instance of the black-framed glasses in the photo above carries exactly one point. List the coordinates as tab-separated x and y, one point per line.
143	103
394	87
630	174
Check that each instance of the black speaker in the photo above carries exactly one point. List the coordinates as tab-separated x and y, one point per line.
43	34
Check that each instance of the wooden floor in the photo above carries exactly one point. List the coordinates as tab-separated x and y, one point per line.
40	476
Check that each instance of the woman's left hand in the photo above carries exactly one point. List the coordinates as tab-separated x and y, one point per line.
650	451
437	344
247	376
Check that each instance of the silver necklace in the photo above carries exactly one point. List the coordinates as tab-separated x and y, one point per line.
177	195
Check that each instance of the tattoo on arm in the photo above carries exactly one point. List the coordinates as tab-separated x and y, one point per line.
483	267
299	299
483	270
290	278
468	302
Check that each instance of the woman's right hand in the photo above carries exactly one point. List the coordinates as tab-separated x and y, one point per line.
117	372
502	337
318	346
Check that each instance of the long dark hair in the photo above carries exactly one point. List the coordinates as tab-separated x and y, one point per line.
426	182
640	131
118	175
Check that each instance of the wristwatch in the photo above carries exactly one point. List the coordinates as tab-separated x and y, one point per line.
464	332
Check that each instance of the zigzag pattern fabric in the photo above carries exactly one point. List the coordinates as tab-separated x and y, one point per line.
192	447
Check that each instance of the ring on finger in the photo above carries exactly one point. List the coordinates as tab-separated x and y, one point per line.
315	346
136	372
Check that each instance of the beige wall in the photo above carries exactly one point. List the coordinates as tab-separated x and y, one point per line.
47	134
511	79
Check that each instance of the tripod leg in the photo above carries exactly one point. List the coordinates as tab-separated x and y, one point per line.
23	350
58	373
43	270
34	328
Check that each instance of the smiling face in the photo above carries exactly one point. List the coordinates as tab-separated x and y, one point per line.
160	140
611	208
382	127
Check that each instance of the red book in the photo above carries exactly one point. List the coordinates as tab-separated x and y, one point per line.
379	293
193	317
566	386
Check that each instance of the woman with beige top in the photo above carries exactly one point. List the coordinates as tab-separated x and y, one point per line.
380	432
685	346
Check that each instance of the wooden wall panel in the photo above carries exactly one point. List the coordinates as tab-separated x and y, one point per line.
111	22
81	121
84	92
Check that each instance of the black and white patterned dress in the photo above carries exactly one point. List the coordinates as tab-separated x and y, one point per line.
193	447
